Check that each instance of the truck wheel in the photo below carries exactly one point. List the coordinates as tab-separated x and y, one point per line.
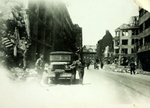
72	79
56	78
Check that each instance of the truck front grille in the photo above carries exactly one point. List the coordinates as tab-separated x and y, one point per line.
58	67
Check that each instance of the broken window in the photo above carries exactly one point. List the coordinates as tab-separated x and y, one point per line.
117	51
134	32
116	43
134	41
124	42
124	51
125	33
117	33
132	50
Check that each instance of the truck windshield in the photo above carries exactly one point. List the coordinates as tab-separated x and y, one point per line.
60	57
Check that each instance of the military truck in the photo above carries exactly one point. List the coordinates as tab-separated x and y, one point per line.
59	67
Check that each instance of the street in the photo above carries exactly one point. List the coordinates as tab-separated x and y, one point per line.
101	89
42	41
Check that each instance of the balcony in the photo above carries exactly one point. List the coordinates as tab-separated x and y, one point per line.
144	48
145	33
135	37
144	18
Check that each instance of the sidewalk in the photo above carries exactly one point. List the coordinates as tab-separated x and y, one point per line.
123	69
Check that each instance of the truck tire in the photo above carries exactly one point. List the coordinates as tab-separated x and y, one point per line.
56	78
72	79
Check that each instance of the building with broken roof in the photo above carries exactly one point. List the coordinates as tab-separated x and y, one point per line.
105	48
124	41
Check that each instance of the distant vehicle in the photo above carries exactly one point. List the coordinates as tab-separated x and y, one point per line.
59	66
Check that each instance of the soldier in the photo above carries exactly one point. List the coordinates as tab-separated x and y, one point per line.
132	68
102	64
96	66
39	65
80	68
88	62
73	66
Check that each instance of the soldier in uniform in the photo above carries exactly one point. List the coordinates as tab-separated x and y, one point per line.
79	66
40	66
132	68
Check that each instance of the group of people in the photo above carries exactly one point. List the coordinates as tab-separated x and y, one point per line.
76	65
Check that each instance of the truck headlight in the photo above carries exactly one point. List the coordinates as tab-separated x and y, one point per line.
51	68
66	66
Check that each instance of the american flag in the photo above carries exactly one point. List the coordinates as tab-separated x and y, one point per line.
7	42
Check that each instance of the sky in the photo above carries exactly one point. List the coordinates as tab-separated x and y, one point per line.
97	16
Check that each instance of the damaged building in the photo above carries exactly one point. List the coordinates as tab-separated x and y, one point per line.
143	46
105	48
40	27
126	37
51	28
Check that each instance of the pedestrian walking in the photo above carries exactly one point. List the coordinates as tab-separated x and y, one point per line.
96	64
102	65
39	65
132	68
88	62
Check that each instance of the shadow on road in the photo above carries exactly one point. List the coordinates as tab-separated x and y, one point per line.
66	82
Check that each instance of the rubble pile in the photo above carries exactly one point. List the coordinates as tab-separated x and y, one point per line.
123	69
116	68
19	75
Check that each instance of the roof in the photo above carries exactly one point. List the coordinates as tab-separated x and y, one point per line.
126	27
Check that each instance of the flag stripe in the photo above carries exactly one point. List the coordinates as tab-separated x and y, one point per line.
9	45
5	40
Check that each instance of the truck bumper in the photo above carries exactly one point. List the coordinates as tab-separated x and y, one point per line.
60	75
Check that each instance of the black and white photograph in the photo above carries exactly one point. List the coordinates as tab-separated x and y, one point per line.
74	53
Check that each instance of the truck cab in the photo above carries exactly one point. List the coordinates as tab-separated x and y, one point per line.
59	66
